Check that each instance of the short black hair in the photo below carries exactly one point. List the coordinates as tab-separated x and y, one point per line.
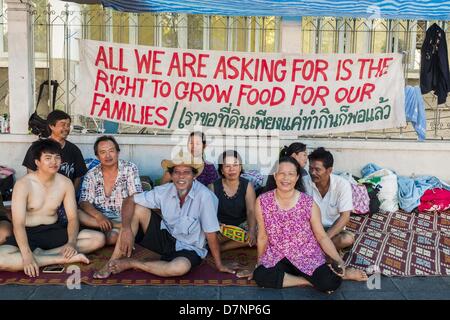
198	134
56	115
194	171
320	154
228	153
105	138
293	148
299	185
45	146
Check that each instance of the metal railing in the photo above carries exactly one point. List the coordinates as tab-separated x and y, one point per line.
319	35
4	83
169	30
333	35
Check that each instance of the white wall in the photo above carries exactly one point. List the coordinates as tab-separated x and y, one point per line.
404	157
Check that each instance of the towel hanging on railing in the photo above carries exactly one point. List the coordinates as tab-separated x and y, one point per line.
415	111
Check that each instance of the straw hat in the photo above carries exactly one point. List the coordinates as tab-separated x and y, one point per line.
185	159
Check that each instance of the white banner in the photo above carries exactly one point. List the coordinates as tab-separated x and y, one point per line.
173	89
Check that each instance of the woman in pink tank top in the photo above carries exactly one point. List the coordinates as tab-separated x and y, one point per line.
291	240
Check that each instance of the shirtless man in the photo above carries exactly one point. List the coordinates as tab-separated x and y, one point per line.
72	161
38	239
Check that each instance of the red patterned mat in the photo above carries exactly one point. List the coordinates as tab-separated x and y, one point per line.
205	274
399	243
402	244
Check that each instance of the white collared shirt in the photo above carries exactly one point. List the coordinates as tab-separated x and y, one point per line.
338	199
187	224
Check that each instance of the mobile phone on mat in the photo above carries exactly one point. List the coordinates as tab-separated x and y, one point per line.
57	268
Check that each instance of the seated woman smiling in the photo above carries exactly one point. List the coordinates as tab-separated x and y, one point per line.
292	244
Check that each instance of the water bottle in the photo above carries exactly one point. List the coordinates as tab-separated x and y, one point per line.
2	124
6	123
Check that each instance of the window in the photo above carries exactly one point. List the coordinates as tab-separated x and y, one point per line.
41	30
146	29
330	35
195	33
218	31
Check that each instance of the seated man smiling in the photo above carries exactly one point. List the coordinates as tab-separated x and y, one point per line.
38	239
179	236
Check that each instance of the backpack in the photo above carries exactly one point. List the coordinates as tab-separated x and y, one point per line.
36	124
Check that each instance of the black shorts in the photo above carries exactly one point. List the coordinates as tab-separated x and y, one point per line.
162	242
44	236
322	278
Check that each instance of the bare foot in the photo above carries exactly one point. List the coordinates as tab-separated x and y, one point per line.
117	266
245	273
355	275
103	273
79	258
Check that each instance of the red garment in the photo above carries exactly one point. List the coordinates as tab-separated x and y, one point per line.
435	200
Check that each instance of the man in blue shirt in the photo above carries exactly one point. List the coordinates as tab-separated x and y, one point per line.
188	221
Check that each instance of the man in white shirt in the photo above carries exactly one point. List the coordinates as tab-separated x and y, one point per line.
333	195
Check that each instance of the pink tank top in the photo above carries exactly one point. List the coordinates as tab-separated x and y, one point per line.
290	235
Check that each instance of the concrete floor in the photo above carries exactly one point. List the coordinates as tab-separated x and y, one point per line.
416	288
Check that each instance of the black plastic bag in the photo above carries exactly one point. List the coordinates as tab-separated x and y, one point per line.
36	124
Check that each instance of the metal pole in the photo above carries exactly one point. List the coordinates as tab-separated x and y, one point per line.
67	58
49	54
318	37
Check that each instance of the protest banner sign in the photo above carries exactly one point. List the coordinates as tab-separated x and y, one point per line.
174	89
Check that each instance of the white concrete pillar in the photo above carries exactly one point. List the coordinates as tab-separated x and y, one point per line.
291	35
21	64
